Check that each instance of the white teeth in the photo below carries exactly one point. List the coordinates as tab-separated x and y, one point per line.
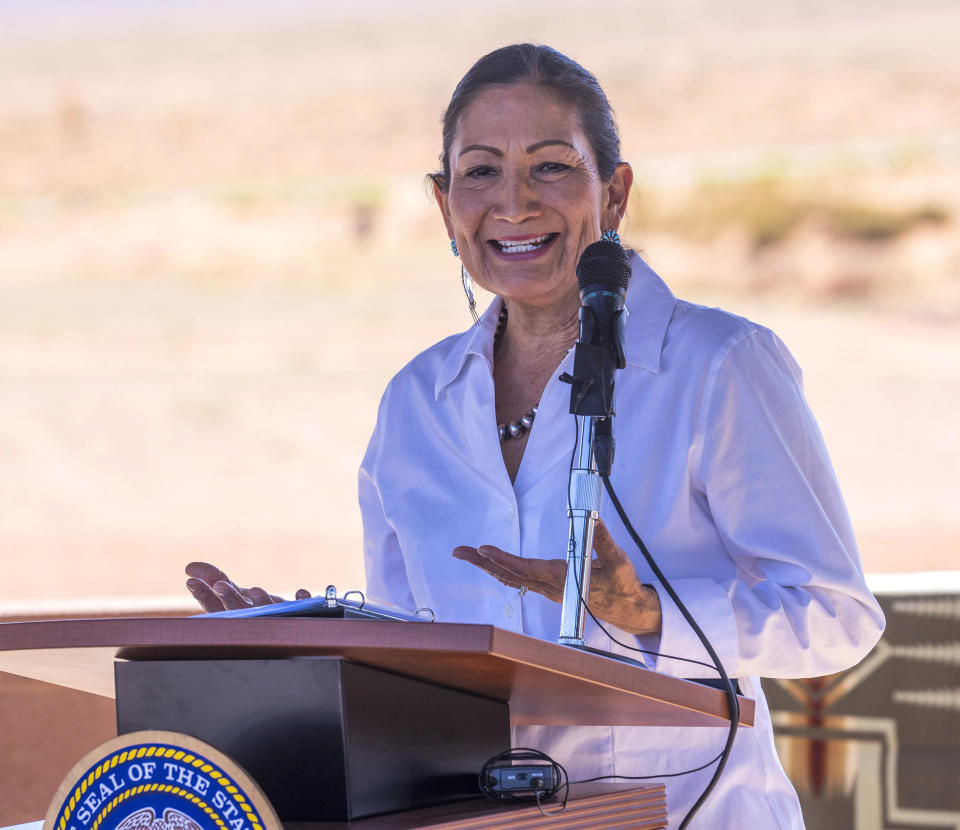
524	246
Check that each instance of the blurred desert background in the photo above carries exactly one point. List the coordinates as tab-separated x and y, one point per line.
216	247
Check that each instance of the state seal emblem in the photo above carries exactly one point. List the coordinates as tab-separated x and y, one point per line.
159	781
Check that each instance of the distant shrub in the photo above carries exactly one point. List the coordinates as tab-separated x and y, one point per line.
870	223
770	209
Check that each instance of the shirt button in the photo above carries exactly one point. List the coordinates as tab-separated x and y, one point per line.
511	511
508	612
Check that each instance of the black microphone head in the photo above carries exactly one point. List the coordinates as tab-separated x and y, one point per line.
604	262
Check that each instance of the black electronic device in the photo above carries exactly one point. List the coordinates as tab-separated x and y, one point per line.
522	774
519	780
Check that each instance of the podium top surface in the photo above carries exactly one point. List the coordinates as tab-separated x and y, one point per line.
543	682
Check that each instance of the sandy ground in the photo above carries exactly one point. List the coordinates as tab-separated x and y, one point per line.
216	248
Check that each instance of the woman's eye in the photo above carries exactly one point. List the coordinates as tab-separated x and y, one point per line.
553	167
480	172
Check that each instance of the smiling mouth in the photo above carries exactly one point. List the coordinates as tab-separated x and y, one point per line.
523	246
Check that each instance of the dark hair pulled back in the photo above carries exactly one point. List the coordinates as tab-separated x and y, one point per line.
532	63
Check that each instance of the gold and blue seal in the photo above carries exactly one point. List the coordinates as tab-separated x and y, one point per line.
159	781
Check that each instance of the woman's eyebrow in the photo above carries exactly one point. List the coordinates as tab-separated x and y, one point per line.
548	142
484	147
531	149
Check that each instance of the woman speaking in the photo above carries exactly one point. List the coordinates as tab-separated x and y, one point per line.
720	465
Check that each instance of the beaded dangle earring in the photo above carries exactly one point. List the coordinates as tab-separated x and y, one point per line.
467	283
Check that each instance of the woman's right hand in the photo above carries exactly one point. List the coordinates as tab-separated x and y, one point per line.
215	591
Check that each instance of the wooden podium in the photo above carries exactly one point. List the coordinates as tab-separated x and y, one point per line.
536	682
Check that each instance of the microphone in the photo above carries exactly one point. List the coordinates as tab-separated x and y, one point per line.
603	274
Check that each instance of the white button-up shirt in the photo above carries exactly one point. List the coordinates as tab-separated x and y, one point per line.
723	472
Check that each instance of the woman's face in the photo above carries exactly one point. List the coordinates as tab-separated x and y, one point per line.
525	196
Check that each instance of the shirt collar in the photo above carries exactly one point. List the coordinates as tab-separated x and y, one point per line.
648	296
477	340
650	305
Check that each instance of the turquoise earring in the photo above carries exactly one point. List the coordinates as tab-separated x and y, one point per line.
453	247
611	236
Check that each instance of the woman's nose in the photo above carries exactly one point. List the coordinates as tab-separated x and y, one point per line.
518	199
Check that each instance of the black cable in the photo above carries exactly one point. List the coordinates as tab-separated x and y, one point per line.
586	605
732	702
647	651
713	760
559	809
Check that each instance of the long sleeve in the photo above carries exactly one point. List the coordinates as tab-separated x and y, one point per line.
797	604
386	573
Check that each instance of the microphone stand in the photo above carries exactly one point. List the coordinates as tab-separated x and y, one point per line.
592	461
584	495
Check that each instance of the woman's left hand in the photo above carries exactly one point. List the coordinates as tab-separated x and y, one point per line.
616	593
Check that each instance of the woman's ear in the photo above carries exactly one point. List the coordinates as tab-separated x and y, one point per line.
442	203
617	194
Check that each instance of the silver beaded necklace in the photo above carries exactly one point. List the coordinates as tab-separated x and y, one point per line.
513	429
